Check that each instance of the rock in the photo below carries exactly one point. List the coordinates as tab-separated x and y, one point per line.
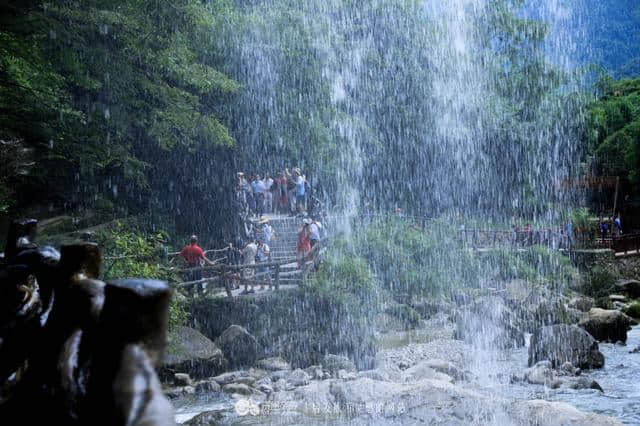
491	314
568	369
189	351
181	379
617	298
620	306
539	374
277	375
265	388
246	380
606	325
334	363
238	388
582	383
273	364
298	378
565	343
422	371
446	368
583	304
315	371
280	385
232	376
208	418
178	392
375	375
629	287
207	386
345	375
240	347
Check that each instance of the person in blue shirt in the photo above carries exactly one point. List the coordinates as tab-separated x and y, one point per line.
618	224
300	191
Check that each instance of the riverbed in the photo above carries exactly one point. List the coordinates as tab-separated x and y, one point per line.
491	376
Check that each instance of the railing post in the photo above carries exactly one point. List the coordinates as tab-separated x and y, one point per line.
277	278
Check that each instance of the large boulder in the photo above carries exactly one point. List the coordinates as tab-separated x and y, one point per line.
565	343
582	304
334	363
189	351
607	325
489	321
239	346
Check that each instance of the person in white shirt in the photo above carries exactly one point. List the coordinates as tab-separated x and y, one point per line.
314	232
262	256
268	195
267	230
249	258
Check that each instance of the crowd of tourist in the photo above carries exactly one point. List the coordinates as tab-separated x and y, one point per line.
285	192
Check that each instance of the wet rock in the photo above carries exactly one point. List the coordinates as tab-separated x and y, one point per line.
298	378
208	418
280	385
607	325
178	392
617	298
447	368
265	388
181	379
379	375
629	287
491	314
582	383
246	380
193	353
583	304
273	364
315	371
568	369
620	306
539	374
565	343
334	363
423	371
233	376
207	386
237	388
239	346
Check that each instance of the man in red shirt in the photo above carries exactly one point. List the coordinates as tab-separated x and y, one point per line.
194	256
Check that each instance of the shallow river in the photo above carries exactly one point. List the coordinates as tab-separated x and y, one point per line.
620	379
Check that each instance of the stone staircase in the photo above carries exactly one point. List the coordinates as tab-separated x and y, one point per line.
286	237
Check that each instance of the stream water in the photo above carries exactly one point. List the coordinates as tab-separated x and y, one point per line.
619	380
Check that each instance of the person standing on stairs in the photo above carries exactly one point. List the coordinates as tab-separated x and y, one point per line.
267	230
304	244
249	258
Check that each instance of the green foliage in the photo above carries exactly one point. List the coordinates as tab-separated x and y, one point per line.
600	282
614	129
129	254
108	92
633	310
394	257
